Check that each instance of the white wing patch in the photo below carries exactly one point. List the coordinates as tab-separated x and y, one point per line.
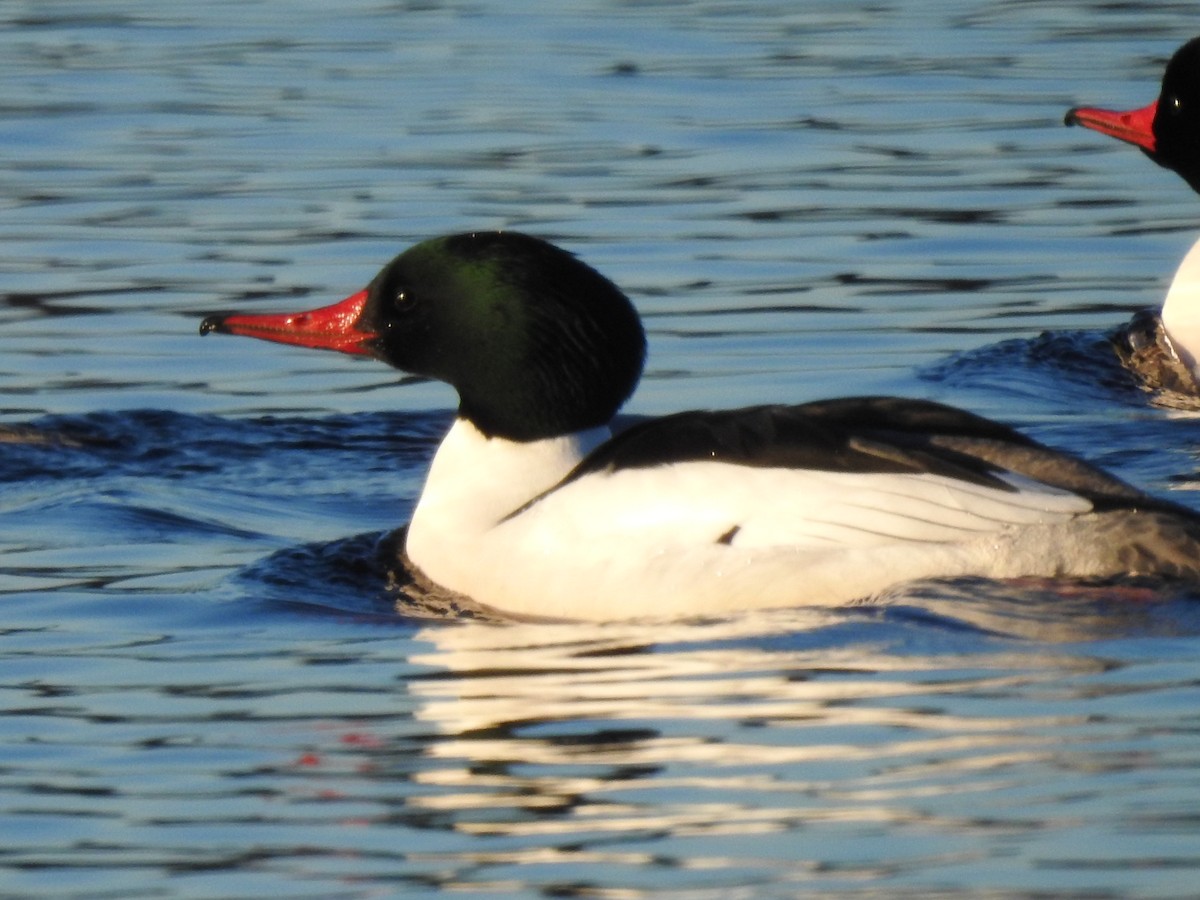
702	502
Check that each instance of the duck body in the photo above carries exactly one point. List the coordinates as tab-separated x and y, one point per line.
716	512
534	506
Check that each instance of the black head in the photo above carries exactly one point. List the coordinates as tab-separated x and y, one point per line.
536	342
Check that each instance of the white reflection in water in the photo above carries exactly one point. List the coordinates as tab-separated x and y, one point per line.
582	735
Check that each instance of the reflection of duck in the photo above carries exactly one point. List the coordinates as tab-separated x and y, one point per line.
532	506
1163	349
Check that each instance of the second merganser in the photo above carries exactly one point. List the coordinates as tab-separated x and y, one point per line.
1162	349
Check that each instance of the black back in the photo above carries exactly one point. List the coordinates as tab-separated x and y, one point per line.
859	434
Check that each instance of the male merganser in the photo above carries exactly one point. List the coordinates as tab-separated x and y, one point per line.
1163	349
533	506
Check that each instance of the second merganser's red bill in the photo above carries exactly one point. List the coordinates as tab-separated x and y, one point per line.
338	326
1136	126
1167	130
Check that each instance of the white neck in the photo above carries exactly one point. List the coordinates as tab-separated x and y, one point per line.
1181	309
475	481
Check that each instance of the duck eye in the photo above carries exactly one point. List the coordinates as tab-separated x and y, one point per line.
404	301
1175	104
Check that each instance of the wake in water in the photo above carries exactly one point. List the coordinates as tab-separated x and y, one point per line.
1066	365
359	577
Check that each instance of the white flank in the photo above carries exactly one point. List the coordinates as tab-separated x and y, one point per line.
706	537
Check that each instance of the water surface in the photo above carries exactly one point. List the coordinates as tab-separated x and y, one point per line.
206	689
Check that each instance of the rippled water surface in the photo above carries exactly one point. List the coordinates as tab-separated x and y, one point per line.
207	690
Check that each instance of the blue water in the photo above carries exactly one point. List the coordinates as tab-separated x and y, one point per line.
207	689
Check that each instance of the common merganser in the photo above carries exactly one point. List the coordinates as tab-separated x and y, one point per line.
1163	348
532	505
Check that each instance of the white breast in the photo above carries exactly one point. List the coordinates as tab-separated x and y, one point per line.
474	482
1181	309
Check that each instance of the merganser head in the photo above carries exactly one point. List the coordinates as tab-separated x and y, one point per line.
1167	130
536	343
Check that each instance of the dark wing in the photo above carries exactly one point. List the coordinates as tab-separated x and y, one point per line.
856	434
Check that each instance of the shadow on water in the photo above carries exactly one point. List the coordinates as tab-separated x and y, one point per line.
171	446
